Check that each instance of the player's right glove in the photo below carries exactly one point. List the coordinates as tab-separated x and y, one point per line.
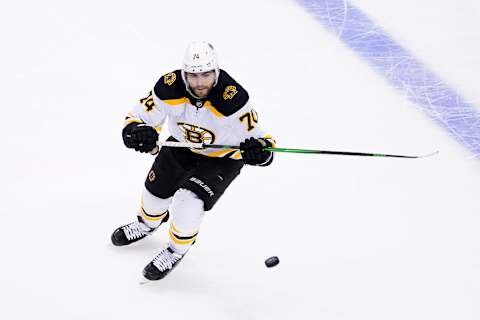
140	137
253	153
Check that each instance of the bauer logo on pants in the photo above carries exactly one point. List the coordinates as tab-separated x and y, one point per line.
203	186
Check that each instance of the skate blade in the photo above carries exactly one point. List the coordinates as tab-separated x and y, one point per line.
144	281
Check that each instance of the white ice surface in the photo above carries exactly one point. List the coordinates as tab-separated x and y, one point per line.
358	238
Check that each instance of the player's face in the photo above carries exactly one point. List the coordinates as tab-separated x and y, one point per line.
201	83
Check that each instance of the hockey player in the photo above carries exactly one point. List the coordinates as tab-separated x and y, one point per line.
203	104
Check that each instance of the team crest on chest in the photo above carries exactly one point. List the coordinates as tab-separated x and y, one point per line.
169	78
229	92
196	134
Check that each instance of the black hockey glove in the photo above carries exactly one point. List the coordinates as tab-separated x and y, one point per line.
253	153
140	137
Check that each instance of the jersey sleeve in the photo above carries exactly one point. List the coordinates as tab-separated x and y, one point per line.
148	110
245	124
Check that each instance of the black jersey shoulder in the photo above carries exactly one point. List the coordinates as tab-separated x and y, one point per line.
228	96
170	86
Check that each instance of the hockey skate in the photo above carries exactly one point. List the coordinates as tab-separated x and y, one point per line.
130	233
162	264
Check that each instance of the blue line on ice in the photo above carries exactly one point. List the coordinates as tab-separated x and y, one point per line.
400	68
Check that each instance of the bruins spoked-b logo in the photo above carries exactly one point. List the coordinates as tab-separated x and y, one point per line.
196	134
169	78
229	92
151	176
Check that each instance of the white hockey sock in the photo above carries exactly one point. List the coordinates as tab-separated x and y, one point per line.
187	215
153	210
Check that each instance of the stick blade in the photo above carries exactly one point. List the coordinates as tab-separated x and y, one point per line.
429	154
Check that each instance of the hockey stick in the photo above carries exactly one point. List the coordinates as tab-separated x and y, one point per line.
175	144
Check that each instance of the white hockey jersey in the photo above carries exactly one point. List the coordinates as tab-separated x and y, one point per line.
224	117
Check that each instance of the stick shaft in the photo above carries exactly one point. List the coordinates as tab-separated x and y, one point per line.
290	150
329	152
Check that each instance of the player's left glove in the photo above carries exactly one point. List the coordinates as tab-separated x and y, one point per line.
253	153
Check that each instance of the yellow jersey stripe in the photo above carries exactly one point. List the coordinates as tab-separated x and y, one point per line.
132	120
209	105
237	155
175	102
217	154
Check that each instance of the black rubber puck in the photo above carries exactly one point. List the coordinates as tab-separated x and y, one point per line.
272	262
